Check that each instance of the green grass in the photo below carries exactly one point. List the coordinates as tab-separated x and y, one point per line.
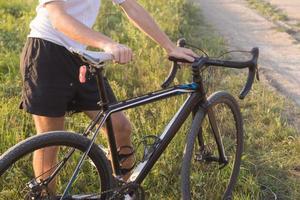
271	144
268	10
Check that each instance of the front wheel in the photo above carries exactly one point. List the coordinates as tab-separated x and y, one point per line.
18	180
205	173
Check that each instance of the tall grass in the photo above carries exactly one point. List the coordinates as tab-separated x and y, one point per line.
272	145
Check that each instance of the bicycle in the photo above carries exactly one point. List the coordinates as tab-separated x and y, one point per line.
221	152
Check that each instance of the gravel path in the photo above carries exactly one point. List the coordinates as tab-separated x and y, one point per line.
243	28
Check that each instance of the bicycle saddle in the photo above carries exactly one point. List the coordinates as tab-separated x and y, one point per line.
94	58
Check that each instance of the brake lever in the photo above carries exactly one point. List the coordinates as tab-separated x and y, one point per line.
175	66
171	76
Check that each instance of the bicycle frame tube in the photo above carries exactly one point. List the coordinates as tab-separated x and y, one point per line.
170	131
197	96
156	96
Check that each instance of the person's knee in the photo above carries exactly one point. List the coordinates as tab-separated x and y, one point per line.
45	124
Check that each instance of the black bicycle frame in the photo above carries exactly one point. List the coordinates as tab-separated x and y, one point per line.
196	98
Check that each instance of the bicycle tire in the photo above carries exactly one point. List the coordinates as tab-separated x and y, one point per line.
9	160
214	100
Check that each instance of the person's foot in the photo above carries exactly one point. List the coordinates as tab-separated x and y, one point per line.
126	157
127	160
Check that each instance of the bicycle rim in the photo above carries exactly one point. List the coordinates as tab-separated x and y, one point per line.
15	181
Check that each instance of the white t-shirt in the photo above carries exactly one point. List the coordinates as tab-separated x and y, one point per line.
85	11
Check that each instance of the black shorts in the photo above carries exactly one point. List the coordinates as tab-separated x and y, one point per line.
50	81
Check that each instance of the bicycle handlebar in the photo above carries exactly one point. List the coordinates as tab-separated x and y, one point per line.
250	64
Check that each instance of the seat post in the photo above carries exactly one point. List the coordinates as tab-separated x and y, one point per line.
104	102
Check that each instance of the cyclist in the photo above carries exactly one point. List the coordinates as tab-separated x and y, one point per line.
50	71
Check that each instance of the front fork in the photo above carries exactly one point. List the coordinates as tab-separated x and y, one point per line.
205	154
218	138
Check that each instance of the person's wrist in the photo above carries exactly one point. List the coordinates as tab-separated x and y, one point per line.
170	48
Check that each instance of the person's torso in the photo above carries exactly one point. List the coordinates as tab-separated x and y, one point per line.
85	11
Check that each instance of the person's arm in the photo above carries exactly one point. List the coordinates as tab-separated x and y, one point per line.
77	31
145	22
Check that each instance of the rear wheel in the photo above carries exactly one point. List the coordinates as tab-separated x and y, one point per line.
17	179
204	176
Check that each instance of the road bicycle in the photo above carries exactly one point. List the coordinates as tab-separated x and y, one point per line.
82	169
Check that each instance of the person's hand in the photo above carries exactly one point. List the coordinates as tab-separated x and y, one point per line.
121	53
180	52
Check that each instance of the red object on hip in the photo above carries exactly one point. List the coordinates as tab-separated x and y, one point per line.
82	74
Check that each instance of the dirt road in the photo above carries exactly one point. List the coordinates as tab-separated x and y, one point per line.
243	28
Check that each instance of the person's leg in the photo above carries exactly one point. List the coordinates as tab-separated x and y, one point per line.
122	130
45	159
48	72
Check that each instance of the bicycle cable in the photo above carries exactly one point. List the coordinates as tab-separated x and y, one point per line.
219	56
198	48
232	51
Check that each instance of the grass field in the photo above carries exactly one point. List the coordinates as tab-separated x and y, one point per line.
272	145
